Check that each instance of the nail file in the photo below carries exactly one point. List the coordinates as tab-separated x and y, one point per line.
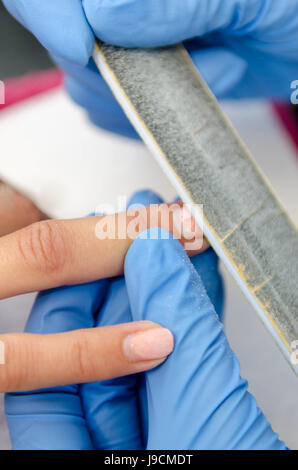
182	124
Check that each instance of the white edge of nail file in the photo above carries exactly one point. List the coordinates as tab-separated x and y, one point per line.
141	128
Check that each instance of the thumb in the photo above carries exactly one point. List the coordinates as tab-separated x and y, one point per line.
30	362
200	384
60	26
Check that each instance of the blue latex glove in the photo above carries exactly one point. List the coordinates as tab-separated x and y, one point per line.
196	399
197	390
243	48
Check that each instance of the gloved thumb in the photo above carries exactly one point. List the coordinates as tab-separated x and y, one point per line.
153	23
221	68
196	399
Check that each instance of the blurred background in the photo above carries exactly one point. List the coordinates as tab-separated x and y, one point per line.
20	53
50	151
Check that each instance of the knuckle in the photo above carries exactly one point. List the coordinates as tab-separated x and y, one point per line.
83	357
42	246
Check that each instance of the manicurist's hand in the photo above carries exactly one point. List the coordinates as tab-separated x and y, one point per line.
54	253
194	400
245	48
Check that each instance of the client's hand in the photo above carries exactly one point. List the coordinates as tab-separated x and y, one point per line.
16	210
54	253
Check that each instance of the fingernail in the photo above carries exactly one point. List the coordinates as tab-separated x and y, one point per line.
148	345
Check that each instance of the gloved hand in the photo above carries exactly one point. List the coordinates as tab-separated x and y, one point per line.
244	48
198	390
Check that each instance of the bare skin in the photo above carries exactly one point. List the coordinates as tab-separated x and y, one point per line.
62	252
16	210
52	253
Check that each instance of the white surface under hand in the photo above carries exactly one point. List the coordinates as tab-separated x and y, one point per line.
69	167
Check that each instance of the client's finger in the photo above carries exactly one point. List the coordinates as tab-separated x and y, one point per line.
200	384
58	252
16	210
112	406
30	362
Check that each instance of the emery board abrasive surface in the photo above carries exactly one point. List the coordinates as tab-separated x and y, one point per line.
181	122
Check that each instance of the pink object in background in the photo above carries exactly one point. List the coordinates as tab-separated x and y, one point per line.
22	88
289	120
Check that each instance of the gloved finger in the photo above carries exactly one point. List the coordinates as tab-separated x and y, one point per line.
145	197
206	265
111	407
238	64
148	24
82	355
103	110
54	418
198	389
221	68
60	26
151	23
236	74
89	90
56	252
